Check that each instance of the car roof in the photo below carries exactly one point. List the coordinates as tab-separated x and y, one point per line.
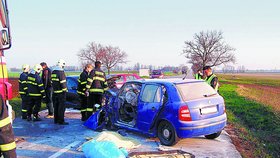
168	81
73	76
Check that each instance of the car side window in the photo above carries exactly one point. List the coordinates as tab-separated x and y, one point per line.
151	94
128	78
120	79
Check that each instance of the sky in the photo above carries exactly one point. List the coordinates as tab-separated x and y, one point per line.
149	31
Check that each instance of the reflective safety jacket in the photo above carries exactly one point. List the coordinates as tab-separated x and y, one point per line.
82	82
22	86
35	85
96	82
212	80
198	76
7	142
58	80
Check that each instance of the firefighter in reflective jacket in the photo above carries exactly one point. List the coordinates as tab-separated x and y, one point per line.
96	85
23	90
7	142
198	75
211	78
59	92
35	93
82	81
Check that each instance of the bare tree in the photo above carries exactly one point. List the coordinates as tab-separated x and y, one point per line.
91	53
113	56
109	56
208	48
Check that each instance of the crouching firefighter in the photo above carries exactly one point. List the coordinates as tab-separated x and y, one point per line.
23	90
7	142
36	93
82	81
96	85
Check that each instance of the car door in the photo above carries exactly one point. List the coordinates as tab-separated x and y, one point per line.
149	105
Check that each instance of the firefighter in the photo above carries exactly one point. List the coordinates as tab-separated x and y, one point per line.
96	85
198	75
7	142
59	92
82	81
211	78
36	93
46	79
23	90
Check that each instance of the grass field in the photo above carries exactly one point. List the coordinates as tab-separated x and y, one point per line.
248	107
16	104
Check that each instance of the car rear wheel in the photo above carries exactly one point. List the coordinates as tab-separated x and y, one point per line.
214	135
166	133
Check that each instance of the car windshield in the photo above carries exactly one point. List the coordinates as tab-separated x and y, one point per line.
196	90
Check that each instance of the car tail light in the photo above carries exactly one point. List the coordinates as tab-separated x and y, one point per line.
184	113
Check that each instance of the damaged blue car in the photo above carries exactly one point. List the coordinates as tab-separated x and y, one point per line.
170	109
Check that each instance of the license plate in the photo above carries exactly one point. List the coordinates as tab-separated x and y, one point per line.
208	110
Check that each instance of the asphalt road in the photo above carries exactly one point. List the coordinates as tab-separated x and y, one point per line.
46	139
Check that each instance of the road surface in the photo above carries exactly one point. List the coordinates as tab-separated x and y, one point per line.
46	139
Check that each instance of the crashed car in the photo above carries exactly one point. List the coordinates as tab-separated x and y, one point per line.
120	79
72	98
170	109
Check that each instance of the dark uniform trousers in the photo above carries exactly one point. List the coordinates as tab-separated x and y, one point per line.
24	105
59	106
7	143
34	105
49	102
94	98
84	105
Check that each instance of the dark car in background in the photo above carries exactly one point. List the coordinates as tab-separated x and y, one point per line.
157	74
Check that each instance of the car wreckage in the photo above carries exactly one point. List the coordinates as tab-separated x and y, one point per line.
170	109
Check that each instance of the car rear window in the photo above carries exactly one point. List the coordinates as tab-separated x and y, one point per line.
195	90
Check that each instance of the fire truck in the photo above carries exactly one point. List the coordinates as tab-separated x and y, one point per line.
7	143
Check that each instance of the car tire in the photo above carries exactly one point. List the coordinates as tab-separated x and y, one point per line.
214	135
166	134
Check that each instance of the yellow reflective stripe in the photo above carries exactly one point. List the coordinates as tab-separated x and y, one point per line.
55	79
40	85
79	92
89	109
99	78
23	110
42	91
53	75
36	95
19	81
31	78
83	110
99	73
84	82
23	81
5	122
30	82
63	81
21	92
25	88
64	89
97	90
7	147
89	80
105	89
87	86
106	83
59	91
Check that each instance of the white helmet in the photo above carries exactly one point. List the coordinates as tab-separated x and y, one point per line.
25	67
61	63
38	68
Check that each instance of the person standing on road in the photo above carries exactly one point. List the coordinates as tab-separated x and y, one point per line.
46	78
35	93
198	75
96	85
211	78
23	90
59	92
82	81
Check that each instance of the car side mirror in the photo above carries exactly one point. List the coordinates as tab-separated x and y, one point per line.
5	37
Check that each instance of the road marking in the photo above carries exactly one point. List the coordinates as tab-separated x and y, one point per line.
61	151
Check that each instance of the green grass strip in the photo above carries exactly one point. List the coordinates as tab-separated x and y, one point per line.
258	119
